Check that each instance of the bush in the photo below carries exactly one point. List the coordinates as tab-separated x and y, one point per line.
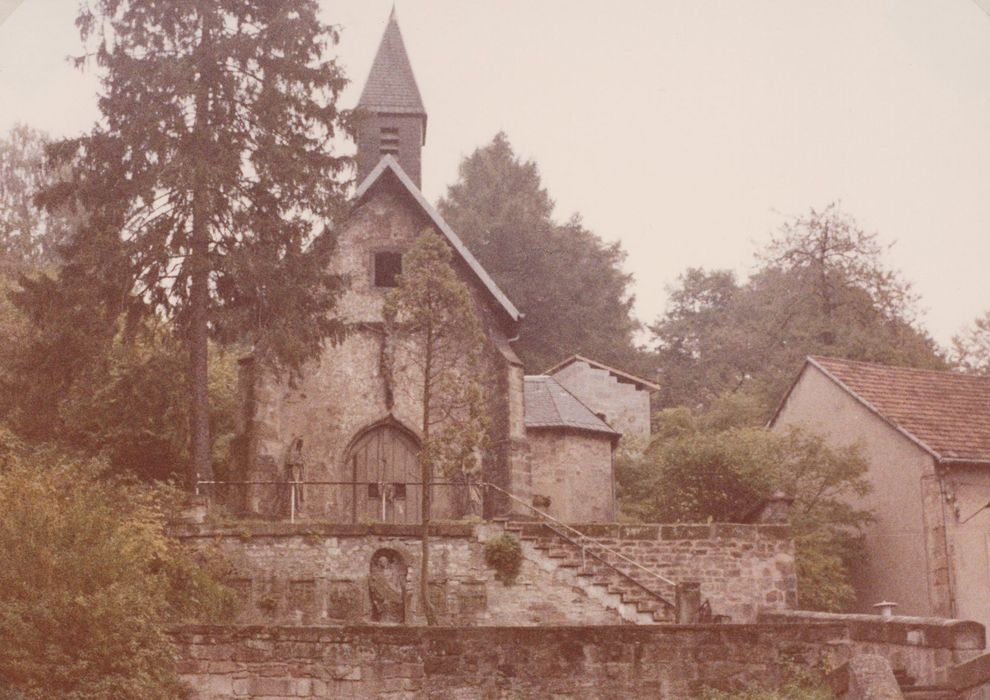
90	582
715	466
504	554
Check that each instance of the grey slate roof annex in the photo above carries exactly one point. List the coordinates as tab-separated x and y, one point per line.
549	405
388	164
391	86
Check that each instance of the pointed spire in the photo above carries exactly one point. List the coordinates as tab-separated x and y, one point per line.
391	86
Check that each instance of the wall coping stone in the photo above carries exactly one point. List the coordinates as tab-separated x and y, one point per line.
937	632
622	531
249	529
970	674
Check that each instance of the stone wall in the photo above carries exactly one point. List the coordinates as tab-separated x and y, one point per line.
356	384
742	569
223	663
322	574
319	573
572	474
625	406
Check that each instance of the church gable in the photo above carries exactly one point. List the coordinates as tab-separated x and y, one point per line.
389	182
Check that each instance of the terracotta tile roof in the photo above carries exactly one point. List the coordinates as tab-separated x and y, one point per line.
946	413
549	405
391	86
639	382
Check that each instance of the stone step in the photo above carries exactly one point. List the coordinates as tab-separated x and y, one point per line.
928	692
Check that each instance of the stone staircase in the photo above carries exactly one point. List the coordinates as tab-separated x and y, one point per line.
636	596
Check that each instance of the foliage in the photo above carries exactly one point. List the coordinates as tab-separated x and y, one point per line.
971	349
434	312
90	582
504	554
210	180
801	684
715	467
122	399
567	281
821	288
28	235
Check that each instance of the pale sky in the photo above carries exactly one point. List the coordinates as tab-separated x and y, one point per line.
686	130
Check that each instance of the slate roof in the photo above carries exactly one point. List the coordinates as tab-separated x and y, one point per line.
389	165
391	86
945	413
549	405
624	377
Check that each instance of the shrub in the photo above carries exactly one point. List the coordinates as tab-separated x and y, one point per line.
504	554
90	582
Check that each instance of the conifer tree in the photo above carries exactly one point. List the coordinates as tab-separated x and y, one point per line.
568	282
209	180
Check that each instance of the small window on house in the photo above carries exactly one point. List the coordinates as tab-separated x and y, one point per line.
388	266
388	141
373	491
398	490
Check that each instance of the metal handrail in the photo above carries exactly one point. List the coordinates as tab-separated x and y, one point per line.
582	536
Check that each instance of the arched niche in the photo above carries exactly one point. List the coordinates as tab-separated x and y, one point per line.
387	586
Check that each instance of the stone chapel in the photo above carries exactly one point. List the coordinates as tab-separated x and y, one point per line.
340	444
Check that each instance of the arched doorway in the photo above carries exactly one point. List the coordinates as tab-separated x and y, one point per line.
385	471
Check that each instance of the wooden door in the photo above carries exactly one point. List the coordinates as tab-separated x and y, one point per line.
386	475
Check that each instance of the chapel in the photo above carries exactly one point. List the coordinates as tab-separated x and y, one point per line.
340	443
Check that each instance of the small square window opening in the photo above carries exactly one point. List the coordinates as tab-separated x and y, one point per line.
388	266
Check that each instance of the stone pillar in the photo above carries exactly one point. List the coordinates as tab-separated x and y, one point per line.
687	603
865	677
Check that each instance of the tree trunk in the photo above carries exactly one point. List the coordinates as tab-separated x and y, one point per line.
199	293
426	477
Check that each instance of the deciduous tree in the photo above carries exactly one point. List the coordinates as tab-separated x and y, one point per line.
433	316
821	288
29	235
971	348
90	583
713	466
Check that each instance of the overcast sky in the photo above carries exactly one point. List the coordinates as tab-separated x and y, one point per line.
686	130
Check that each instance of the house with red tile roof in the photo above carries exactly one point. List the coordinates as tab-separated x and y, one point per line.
926	437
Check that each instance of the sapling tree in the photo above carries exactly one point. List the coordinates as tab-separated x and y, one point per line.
433	313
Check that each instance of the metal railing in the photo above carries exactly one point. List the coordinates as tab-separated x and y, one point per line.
385	492
352	499
578	538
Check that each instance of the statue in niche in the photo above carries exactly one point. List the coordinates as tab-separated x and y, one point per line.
387	587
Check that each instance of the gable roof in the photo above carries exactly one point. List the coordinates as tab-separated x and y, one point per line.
624	377
391	86
549	405
947	414
389	166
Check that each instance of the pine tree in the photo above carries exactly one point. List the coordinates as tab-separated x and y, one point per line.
209	181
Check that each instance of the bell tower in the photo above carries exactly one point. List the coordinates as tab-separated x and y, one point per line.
393	120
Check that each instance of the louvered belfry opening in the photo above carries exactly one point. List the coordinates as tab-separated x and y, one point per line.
392	116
